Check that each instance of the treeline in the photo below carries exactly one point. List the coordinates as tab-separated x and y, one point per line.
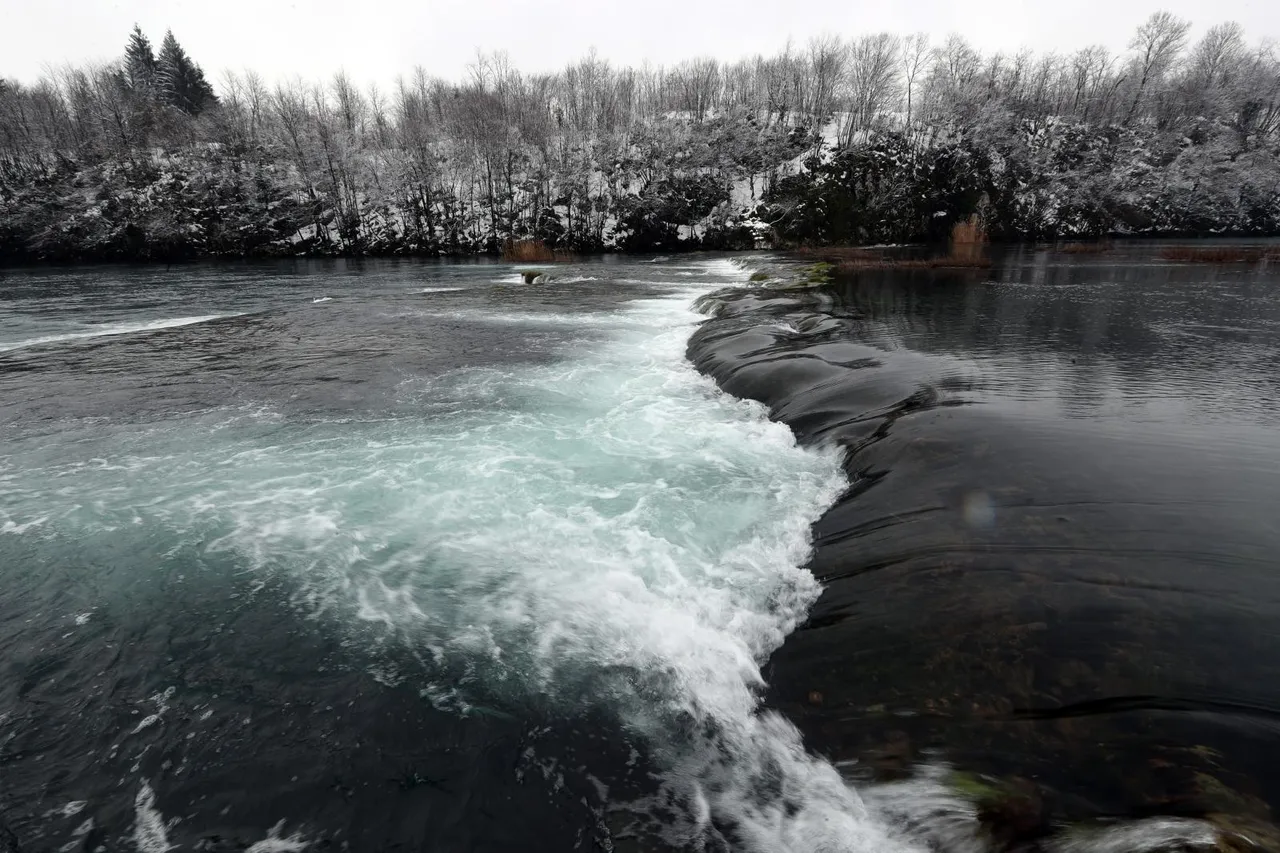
875	139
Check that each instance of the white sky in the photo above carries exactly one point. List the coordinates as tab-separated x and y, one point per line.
374	40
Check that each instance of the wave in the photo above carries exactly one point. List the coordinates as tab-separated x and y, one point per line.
151	830
113	329
639	534
542	318
320	299
547	277
440	289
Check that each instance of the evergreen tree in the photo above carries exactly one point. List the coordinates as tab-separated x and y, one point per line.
139	63
181	82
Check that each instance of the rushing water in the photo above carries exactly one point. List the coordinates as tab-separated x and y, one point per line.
377	556
396	554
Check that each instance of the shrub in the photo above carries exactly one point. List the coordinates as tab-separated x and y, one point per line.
533	251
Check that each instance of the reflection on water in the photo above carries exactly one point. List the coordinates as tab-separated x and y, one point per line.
1119	336
1060	557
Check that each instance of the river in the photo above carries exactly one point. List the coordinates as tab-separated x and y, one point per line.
375	555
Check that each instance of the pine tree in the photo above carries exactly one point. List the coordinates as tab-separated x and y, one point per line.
181	82
139	63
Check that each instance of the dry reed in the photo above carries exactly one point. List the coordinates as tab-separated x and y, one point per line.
968	234
948	262
967	251
1093	248
534	251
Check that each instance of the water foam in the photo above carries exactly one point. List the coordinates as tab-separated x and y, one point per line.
628	531
107	330
150	829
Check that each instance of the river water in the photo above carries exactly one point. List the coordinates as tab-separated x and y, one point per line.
397	555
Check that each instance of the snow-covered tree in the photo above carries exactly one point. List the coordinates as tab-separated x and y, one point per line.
180	81
139	71
845	140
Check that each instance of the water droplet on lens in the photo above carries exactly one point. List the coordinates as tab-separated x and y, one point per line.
978	509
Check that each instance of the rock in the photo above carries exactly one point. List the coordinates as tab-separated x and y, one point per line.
1016	816
893	759
8	841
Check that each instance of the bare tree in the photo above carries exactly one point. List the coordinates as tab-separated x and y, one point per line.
1092	81
827	60
350	104
1216	57
873	81
378	115
915	53
1157	44
1252	102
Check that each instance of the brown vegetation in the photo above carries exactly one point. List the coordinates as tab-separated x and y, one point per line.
968	239
967	251
1093	248
947	262
1221	254
534	251
840	253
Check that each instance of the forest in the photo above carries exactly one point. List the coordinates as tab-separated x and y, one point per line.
872	139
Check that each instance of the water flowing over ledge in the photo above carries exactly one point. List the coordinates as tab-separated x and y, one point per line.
945	590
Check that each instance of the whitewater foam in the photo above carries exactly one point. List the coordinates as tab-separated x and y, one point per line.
527	318
113	329
150	830
276	842
627	530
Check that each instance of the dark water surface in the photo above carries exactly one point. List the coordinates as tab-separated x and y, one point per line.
1059	558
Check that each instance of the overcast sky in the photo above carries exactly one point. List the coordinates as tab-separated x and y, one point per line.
374	40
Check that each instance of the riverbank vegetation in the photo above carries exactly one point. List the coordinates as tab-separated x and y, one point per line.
534	251
873	139
966	249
